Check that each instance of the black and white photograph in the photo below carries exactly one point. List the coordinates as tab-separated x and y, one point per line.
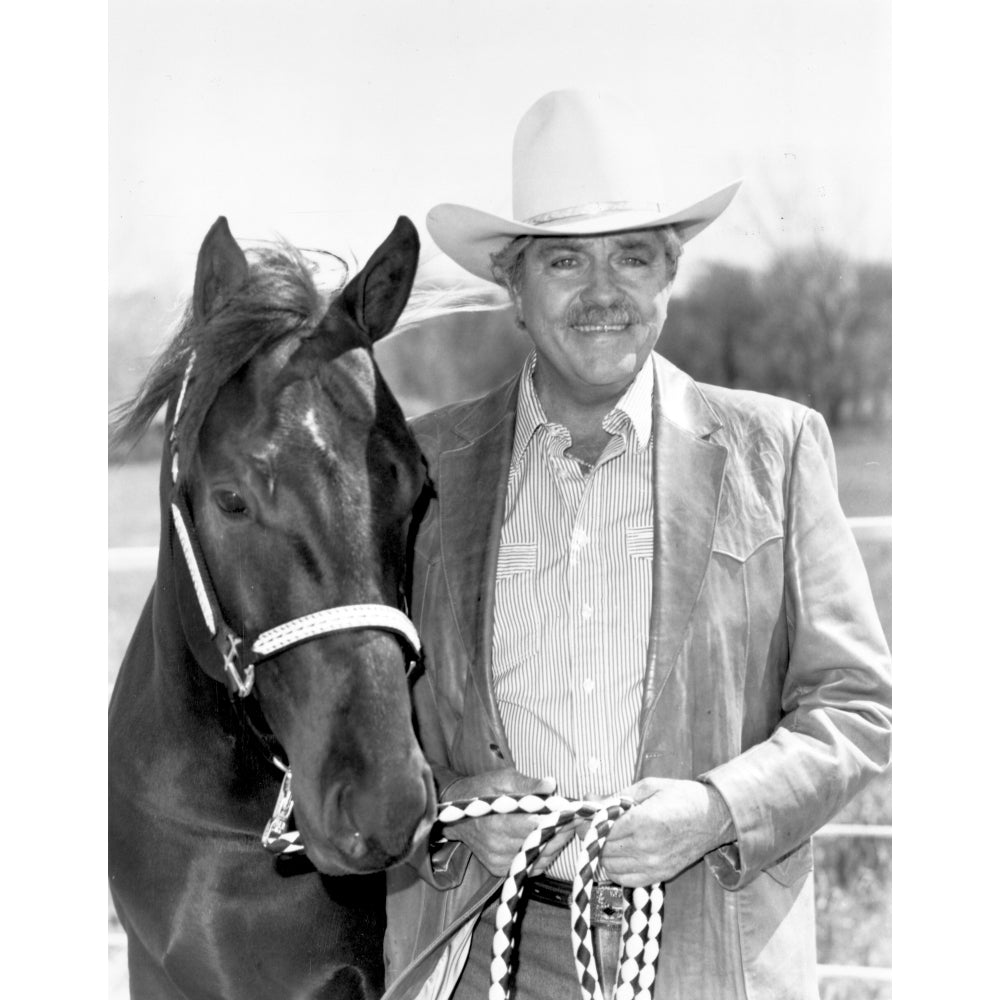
500	500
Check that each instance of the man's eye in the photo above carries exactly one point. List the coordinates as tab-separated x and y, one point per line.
230	502
562	263
635	261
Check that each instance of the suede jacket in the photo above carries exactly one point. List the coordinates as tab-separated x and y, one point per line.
767	674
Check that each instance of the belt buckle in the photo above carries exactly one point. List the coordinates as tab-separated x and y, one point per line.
607	904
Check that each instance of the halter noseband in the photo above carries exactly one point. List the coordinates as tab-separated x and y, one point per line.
238	661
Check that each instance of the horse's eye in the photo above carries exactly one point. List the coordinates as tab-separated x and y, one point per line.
230	502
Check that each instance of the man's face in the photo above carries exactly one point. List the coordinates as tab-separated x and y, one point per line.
594	306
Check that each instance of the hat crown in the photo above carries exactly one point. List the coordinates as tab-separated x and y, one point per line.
582	153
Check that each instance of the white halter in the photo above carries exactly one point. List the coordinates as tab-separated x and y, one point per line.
281	637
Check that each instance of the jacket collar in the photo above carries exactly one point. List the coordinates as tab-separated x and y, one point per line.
488	412
678	401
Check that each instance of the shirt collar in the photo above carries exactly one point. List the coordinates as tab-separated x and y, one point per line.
635	408
530	415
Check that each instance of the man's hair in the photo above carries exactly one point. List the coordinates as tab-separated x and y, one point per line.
508	263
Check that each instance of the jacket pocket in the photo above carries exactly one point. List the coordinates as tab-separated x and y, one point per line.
742	548
778	931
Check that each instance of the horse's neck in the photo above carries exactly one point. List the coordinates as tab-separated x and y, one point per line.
178	734
159	678
170	719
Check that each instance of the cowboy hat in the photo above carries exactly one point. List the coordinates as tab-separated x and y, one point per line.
583	164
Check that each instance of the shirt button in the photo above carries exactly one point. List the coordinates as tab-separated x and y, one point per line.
587	611
588	685
593	764
579	539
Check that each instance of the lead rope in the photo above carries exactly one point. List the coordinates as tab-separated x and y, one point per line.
643	917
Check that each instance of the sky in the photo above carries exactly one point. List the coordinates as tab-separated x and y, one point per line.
323	121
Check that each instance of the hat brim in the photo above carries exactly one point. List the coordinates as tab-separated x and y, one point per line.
469	236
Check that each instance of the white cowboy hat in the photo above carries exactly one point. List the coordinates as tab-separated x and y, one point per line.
584	163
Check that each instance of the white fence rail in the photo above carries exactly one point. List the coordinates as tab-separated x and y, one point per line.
871	529
122	560
870	973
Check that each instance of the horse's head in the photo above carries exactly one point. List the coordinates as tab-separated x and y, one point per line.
300	476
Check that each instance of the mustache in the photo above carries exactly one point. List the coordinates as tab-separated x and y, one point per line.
617	314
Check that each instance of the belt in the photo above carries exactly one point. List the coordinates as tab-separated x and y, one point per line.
607	900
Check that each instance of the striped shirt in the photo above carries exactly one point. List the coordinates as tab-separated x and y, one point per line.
573	596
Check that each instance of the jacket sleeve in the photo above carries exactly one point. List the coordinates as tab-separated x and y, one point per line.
834	733
441	864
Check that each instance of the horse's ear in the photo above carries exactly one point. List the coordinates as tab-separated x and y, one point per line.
222	270
375	297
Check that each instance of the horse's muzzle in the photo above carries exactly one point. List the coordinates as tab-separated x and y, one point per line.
372	827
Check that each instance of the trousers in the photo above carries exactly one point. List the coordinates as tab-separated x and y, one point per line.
543	966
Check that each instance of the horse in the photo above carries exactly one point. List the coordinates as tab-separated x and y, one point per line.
269	664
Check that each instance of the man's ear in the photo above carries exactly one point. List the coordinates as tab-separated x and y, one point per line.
515	299
222	270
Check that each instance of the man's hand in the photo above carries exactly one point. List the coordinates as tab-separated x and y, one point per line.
673	825
495	840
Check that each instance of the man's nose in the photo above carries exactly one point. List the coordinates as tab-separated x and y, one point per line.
602	288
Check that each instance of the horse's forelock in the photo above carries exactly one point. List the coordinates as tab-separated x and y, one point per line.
279	299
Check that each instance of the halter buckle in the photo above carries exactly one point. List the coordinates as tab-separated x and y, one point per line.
243	684
277	826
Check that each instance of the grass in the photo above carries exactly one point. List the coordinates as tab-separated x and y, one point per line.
864	467
854	896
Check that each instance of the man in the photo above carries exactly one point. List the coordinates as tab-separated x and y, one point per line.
628	583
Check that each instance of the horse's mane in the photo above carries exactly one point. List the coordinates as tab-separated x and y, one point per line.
431	299
278	299
286	294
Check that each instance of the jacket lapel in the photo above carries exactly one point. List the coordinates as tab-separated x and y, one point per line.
687	483
473	490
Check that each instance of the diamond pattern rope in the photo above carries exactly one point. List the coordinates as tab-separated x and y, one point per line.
643	917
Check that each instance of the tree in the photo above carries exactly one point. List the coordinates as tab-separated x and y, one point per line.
823	337
813	326
872	342
812	306
706	328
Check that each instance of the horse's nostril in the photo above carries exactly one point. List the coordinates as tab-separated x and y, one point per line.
344	828
356	846
382	820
